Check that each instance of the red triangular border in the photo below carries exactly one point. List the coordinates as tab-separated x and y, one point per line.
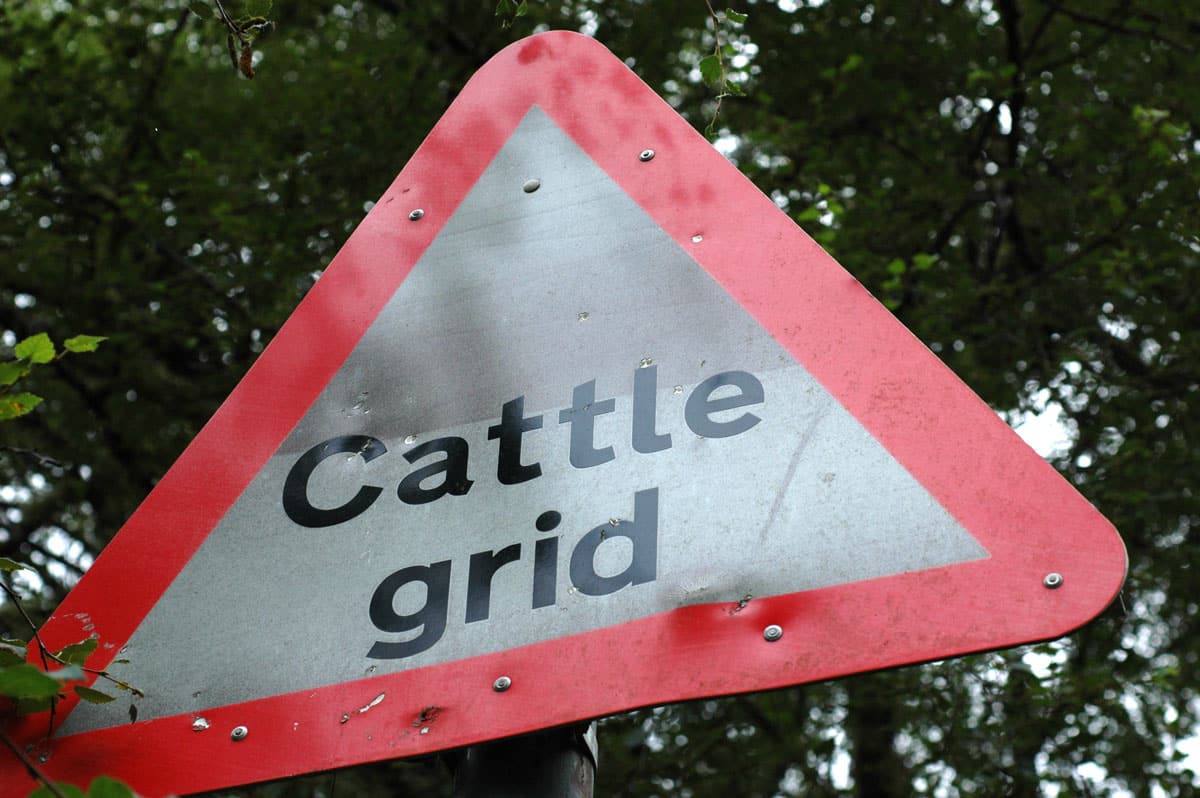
1030	520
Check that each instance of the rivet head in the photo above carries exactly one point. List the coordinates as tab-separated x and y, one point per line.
239	733
1053	580
772	633
415	214
646	155
501	684
531	185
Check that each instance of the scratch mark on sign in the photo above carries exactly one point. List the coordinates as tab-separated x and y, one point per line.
801	445
741	604
374	702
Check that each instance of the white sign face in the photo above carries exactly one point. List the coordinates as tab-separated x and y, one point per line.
560	422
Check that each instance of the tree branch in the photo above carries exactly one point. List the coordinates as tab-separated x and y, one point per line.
42	459
1109	25
30	766
1042	26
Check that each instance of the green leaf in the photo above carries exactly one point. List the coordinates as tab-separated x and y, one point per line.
978	76
105	787
710	69
853	62
201	10
258	8
71	673
84	343
32	706
77	653
12	655
923	261
27	681
93	696
12	371
897	267
18	405
36	349
522	9
736	17
1146	115
1174	131
8	566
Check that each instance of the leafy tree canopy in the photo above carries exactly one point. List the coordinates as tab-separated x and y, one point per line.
1016	179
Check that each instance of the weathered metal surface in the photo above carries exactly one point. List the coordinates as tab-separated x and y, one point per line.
804	498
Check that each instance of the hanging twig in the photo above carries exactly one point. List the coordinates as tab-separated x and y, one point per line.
713	69
241	36
30	766
47	656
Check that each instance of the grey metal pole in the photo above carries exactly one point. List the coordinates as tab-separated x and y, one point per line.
559	763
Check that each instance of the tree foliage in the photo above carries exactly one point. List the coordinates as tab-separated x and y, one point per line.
1016	179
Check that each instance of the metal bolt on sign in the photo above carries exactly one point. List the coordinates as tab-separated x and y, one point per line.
239	733
646	155
531	185
501	684
772	633
1053	580
415	214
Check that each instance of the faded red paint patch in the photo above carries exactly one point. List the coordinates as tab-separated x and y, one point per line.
531	51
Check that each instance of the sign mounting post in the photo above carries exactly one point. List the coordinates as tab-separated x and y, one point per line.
574	397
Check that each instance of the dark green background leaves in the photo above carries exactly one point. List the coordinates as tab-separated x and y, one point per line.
1016	179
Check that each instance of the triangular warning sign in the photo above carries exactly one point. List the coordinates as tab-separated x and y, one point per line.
574	398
